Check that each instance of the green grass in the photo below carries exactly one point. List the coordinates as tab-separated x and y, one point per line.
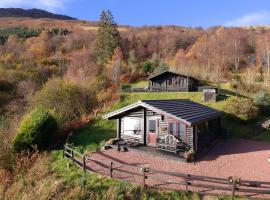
264	136
94	135
129	98
139	84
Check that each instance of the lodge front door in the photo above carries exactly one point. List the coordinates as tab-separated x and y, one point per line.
152	132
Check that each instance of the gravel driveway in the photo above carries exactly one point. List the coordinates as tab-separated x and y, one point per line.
233	157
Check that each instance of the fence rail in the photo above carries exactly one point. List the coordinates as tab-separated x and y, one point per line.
231	184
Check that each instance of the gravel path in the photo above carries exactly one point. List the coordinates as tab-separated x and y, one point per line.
235	157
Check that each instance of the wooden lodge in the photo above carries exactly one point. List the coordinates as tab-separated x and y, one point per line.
169	125
170	81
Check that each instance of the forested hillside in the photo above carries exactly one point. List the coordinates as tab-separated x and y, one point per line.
56	76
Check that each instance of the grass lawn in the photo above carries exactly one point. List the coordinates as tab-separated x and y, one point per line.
129	98
94	135
264	136
139	84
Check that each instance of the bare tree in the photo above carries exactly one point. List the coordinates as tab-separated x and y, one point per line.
263	53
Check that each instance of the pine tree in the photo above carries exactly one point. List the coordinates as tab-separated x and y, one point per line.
108	37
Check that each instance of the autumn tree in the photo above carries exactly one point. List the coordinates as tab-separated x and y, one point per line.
116	64
108	37
132	61
263	53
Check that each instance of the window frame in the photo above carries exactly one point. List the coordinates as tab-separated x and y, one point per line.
174	127
156	126
181	135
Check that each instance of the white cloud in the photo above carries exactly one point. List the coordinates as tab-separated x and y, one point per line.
255	19
50	5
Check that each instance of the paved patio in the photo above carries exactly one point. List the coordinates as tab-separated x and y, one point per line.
233	157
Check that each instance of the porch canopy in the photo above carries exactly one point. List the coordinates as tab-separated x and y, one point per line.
187	111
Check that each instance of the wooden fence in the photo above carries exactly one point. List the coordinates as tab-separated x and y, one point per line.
231	184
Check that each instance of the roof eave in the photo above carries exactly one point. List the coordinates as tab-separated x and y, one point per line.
207	119
121	110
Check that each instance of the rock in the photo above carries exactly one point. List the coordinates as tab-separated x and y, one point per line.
112	141
125	149
107	147
266	124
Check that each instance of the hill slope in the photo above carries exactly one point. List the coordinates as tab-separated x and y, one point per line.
33	13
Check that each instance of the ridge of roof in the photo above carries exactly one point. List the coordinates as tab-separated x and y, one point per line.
168	71
187	111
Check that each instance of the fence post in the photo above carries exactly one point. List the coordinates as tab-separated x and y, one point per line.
64	152
72	155
84	163
233	189
187	181
143	174
111	169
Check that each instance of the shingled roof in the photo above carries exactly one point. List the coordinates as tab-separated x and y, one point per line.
170	72
181	109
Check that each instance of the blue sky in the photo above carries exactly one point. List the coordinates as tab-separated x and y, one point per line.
194	13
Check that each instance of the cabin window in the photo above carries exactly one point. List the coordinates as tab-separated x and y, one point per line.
132	125
152	124
169	82
172	128
182	82
181	130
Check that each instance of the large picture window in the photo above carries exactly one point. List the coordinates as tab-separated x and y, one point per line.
132	125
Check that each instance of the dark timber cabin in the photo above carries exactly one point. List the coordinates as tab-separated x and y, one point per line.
170	81
171	122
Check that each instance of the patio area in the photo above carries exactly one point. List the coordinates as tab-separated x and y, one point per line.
245	159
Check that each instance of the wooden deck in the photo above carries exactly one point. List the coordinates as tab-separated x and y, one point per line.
153	151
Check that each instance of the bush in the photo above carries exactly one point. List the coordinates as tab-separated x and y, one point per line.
242	108
147	67
125	87
262	100
132	77
68	100
37	128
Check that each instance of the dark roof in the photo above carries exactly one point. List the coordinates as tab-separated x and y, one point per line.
169	72
181	109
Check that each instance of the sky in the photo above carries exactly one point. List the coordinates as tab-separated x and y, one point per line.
190	13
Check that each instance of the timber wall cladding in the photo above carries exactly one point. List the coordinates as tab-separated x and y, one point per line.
190	137
162	126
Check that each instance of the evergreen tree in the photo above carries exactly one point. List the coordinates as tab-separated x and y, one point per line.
108	37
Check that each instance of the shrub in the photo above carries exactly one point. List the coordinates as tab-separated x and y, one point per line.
190	155
125	87
37	128
21	32
68	100
132	77
147	67
262	100
242	108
